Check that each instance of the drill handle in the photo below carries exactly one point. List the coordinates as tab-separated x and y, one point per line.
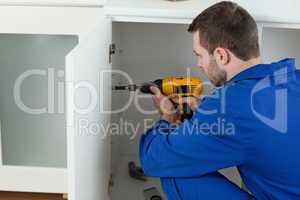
187	112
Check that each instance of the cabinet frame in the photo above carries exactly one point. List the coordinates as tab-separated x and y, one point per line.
28	19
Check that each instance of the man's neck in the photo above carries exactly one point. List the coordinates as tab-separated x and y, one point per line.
242	66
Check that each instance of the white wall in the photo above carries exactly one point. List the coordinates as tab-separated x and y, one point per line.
280	43
32	140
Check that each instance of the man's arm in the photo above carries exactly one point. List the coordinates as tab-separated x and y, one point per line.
204	144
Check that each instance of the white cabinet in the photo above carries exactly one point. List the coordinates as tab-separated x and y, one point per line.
73	147
281	41
45	54
32	111
184	11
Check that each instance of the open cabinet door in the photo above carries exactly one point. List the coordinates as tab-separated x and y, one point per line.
88	91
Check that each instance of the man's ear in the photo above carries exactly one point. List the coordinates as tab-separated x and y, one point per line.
222	56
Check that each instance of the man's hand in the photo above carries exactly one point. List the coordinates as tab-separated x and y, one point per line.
166	106
193	102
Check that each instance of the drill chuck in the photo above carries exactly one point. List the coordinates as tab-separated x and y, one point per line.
145	88
131	88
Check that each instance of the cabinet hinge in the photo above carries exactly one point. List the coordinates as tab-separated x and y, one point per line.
112	51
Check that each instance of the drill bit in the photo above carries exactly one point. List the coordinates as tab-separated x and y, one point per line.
130	88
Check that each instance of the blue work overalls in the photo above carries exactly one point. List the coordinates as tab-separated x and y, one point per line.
252	122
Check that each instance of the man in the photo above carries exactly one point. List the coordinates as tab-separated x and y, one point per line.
250	121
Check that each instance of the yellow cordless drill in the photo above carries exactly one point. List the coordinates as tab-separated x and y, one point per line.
171	86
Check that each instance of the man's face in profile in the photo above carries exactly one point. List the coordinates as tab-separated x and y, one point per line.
207	63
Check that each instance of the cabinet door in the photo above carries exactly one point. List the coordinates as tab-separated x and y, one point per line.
54	2
88	91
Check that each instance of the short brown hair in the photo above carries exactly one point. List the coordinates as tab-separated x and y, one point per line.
230	26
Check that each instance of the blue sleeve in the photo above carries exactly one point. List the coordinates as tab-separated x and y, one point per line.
208	142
